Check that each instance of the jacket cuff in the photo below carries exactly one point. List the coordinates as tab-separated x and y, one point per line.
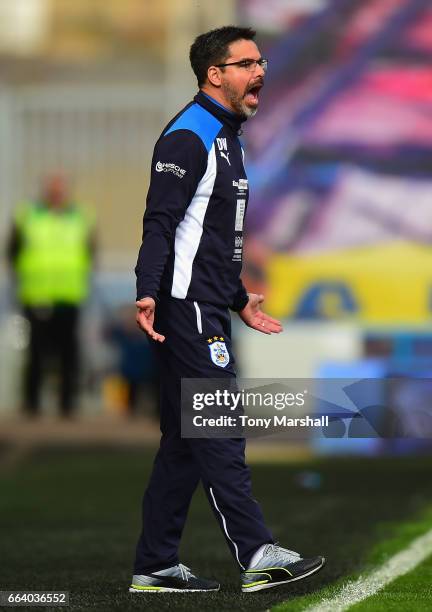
240	302
142	296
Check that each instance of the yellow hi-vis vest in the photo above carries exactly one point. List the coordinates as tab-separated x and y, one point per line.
53	262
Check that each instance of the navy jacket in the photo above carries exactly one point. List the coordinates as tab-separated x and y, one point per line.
193	224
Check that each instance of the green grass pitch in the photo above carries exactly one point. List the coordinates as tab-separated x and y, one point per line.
70	518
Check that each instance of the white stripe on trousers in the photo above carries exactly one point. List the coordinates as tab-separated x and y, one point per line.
226	530
198	316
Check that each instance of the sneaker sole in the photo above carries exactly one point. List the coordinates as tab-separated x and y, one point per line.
169	590
270	585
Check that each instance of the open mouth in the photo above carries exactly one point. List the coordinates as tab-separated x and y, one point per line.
251	96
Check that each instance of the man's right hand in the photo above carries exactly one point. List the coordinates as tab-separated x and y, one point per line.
145	318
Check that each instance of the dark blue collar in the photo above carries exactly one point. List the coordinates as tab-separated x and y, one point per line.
218	103
227	117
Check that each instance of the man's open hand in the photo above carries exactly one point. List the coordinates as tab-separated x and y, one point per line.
255	318
145	318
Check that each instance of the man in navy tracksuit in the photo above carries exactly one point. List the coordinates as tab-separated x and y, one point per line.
188	277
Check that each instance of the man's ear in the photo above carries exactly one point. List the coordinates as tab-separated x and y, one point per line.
214	76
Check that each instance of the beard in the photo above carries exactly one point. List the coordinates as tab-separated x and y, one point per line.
237	101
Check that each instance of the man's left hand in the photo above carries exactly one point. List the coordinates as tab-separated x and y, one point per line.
255	318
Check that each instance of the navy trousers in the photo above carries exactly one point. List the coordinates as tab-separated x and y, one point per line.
181	464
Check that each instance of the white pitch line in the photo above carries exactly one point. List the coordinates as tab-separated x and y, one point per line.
362	588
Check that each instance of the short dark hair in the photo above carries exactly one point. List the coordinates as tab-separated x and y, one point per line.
212	48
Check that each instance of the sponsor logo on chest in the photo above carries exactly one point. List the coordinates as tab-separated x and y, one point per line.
241	184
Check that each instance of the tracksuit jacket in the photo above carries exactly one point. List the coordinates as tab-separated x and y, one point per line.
193	223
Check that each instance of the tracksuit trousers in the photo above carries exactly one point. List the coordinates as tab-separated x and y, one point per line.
182	463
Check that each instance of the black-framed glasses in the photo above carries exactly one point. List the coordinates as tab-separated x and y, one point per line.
247	64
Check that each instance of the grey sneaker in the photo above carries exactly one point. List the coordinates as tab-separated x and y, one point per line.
175	579
278	566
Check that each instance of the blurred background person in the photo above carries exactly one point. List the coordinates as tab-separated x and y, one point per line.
50	252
